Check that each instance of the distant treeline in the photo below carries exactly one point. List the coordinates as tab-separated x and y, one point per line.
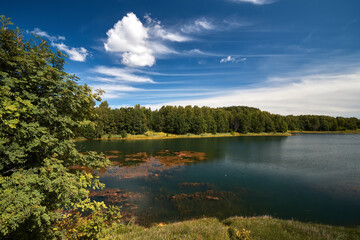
197	120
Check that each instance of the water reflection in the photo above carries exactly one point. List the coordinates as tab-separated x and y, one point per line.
306	177
142	164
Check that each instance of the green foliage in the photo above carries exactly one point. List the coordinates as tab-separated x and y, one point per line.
239	235
41	109
76	226
123	134
182	120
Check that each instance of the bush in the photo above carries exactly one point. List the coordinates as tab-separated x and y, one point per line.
123	134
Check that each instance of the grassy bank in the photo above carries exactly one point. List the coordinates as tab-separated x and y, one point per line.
162	135
237	228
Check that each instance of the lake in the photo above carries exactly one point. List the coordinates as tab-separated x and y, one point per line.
306	177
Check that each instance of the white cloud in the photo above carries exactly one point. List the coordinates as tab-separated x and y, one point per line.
75	54
257	2
334	95
160	49
41	33
175	37
227	59
130	37
139	45
198	26
156	30
195	51
119	74
115	88
198	52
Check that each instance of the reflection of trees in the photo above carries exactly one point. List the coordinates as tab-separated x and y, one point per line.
144	164
237	148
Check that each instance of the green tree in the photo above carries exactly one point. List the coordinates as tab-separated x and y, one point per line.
41	107
198	121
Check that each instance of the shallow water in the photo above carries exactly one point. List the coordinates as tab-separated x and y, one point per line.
307	177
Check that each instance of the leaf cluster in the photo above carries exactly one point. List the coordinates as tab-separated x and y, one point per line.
41	107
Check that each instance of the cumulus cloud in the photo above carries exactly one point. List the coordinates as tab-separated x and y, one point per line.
139	44
75	54
334	95
113	74
198	26
130	37
257	2
227	59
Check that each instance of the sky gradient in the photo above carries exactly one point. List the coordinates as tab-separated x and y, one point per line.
284	56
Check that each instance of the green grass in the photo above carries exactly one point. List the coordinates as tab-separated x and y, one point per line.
274	229
237	228
207	228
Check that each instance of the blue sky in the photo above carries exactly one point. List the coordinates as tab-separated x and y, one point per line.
283	56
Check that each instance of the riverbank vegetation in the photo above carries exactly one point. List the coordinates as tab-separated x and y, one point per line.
178	120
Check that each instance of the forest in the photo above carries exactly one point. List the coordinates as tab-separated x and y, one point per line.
198	120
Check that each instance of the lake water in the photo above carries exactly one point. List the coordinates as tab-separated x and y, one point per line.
307	177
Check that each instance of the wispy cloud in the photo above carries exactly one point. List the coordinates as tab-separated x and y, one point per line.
256	2
113	74
232	59
350	23
75	54
116	88
39	32
335	95
156	30
227	59
198	52
198	25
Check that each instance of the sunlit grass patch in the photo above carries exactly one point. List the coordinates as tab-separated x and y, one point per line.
274	229
236	228
207	228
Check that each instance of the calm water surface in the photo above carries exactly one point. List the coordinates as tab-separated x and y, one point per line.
307	177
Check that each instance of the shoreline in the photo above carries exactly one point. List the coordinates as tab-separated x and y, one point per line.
161	135
328	132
